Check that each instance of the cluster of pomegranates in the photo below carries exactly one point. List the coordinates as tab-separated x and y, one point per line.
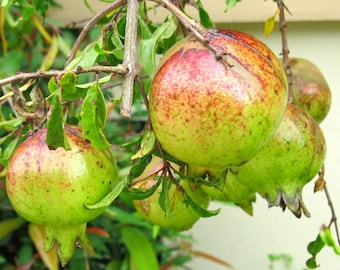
226	118
231	121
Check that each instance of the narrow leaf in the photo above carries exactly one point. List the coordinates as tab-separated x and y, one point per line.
139	193
204	15
109	198
140	249
201	211
270	23
9	225
164	199
9	150
49	58
126	218
148	46
231	3
86	58
138	168
147	144
94	117
56	136
328	239
12	124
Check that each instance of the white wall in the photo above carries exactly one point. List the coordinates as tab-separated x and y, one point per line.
246	241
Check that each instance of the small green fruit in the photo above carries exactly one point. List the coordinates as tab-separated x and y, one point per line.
51	187
181	215
310	90
291	159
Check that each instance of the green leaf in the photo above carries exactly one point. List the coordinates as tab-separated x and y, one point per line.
164	200
5	156
56	136
41	6
68	87
117	52
311	263
27	11
201	211
140	194
9	225
314	248
101	80
147	144
12	124
148	46
119	214
94	117
138	168
109	198
204	15
52	85
140	249
328	239
231	3
86	58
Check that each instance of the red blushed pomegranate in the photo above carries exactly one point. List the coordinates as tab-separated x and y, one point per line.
51	187
207	114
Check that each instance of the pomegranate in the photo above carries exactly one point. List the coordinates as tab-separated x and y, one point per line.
233	191
208	114
310	89
182	216
290	160
51	187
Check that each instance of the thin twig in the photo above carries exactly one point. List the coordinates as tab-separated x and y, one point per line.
22	76
10	102
130	56
334	218
320	184
198	30
285	49
90	25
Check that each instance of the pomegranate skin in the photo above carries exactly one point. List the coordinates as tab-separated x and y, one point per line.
210	115
51	187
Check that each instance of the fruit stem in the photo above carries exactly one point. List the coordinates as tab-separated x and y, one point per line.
198	30
67	238
216	176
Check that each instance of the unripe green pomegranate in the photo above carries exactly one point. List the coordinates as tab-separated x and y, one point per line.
310	89
182	216
207	114
291	159
51	187
233	191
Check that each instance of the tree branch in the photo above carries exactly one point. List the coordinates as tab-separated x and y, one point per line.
130	55
89	26
119	69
